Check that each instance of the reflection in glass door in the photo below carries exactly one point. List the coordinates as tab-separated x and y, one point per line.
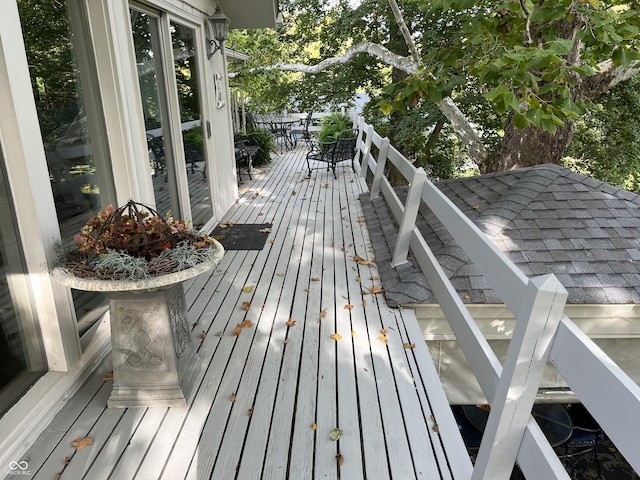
187	81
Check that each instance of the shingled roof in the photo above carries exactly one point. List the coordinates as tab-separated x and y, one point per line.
546	219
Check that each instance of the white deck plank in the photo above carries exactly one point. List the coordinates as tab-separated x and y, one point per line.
293	377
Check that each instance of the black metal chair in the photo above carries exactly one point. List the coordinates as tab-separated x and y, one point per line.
584	439
245	150
341	149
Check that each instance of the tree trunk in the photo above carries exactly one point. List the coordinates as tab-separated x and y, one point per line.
527	147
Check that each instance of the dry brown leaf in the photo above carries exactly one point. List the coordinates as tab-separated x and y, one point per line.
348	307
246	305
307	290
247	324
58	475
358	279
107	376
203	335
409	345
286	340
291	322
250	411
383	338
340	459
314	426
237	330
384	331
336	336
248	288
80	443
315	279
323	313
353	333
233	397
272	241
375	289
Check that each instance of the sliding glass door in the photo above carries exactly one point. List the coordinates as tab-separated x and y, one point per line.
170	95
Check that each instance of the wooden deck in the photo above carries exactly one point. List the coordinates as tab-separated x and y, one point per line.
268	401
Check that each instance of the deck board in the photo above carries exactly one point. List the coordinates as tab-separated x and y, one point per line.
264	402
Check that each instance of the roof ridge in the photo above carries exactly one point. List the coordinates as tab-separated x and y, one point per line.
535	181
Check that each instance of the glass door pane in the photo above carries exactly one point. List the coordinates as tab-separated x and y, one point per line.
72	133
21	357
186	73
146	39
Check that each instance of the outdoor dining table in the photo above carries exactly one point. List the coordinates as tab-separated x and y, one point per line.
279	125
552	418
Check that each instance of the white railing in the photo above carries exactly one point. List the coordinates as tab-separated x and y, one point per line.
542	333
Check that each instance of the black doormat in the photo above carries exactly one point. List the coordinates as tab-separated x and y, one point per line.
242	236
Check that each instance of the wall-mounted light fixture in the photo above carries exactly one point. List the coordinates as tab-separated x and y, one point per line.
219	27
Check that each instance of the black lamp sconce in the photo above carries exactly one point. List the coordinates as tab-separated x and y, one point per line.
219	27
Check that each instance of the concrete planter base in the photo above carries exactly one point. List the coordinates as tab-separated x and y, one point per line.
154	359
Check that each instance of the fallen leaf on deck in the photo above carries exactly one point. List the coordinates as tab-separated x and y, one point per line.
384	331
233	397
348	307
314	426
265	230
336	336
374	278
340	459
375	289
307	290
383	338
246	305
219	333
335	434
280	274
358	279
286	340
203	335
250	411
247	324
315	279
237	330
294	192
260	214
272	241
409	345
326	185
248	288
107	376
353	333
476	206
80	443
291	322
466	297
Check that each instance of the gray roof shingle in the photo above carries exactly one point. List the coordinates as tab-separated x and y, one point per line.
546	219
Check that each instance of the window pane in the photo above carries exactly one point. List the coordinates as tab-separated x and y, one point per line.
21	357
79	172
185	67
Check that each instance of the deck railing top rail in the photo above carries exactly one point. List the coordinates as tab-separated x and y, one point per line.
542	333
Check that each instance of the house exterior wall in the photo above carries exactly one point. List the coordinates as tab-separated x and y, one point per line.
107	62
614	328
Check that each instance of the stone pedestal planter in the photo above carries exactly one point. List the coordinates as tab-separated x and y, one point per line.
154	359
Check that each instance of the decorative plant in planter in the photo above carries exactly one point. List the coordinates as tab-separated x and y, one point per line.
141	259
134	242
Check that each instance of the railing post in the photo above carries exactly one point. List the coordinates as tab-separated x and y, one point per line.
537	321
380	164
411	207
366	151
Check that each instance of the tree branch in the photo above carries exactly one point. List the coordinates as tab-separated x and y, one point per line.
405	31
402	63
